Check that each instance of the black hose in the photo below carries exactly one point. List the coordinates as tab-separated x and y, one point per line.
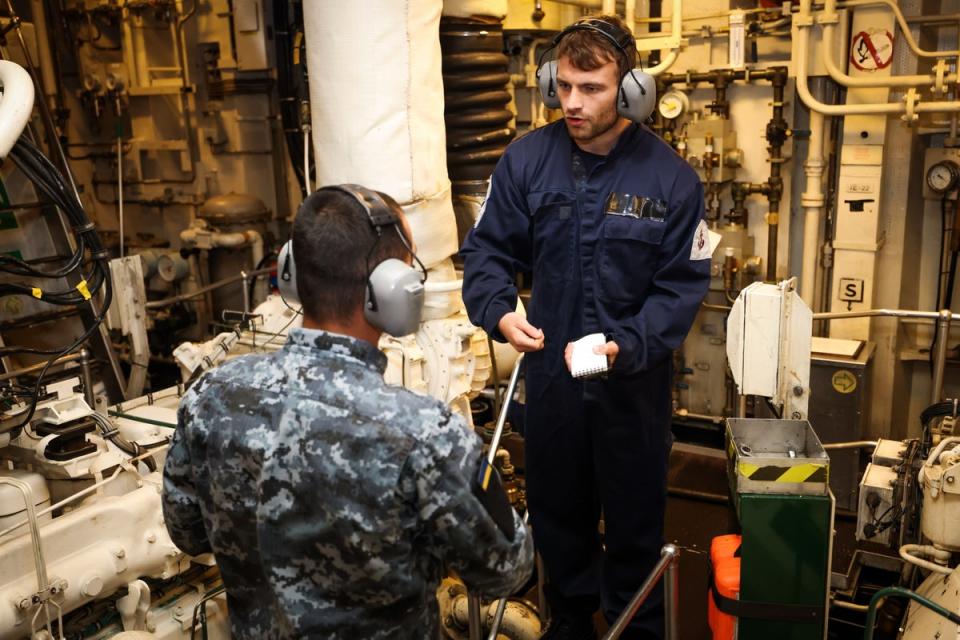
475	77
51	182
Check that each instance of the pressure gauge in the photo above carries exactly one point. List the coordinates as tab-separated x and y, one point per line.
943	176
673	103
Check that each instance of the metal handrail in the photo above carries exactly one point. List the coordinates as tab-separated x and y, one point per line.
669	560
941	318
473	601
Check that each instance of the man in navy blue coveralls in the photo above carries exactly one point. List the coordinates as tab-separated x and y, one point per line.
599	444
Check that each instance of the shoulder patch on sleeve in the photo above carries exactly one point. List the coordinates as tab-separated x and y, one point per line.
483	205
703	243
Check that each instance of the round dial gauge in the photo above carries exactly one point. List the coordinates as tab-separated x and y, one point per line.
943	176
672	104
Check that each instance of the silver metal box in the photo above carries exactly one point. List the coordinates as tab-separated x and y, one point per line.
776	456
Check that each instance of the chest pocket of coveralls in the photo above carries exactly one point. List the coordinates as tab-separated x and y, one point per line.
629	256
554	226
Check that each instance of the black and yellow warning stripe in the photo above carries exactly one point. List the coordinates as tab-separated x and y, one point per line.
809	472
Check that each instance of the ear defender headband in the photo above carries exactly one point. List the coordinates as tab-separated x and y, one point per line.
394	293
637	95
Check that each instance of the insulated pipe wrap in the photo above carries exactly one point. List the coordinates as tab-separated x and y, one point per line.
16	105
376	99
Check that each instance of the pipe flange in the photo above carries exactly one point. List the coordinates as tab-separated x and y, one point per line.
911	100
940	69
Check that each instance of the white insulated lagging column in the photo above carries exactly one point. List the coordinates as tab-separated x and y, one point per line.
376	98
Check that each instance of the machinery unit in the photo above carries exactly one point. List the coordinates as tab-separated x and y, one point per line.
778	475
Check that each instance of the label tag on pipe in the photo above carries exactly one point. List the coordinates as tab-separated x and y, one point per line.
36	293
82	288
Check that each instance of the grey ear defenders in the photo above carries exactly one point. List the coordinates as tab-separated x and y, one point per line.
637	96
394	294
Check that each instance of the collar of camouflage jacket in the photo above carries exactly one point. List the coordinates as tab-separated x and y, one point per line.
338	346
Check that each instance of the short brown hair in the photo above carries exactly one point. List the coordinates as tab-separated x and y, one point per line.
588	50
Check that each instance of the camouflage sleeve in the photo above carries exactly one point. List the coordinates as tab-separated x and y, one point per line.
181	508
464	535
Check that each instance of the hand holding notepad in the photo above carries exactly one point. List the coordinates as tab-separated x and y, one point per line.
584	361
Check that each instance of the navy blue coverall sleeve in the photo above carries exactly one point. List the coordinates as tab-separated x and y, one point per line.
494	251
676	290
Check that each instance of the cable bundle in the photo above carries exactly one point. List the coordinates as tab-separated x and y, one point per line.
49	181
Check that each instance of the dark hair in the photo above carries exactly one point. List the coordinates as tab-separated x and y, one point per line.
332	237
588	50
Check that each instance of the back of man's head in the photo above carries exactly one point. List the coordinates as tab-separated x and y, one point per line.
332	239
588	50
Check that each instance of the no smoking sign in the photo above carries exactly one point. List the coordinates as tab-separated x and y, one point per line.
871	50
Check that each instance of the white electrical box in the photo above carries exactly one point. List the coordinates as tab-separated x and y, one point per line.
875	513
768	346
889	453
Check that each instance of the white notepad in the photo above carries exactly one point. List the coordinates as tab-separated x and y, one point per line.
584	362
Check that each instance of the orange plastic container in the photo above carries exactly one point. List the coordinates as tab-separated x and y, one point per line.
726	580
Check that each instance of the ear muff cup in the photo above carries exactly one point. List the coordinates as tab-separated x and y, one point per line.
394	298
287	274
638	96
636	99
547	81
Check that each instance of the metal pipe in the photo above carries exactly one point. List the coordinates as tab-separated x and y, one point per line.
16	106
909	553
40	564
665	64
842	604
47	71
244	276
856	444
473	617
502	418
671	600
829	45
910	106
87	377
886	313
166	302
120	187
306	158
8	375
902	593
496	377
943	18
497	619
52	138
812	200
668	555
775	182
904	28
700	496
940	357
502	604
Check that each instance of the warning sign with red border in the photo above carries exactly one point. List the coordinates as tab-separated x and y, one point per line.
872	50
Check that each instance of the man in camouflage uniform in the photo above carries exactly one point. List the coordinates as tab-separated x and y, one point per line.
333	502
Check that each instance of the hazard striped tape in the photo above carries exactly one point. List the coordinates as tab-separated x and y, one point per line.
809	472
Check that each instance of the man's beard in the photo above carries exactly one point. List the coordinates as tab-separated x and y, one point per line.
591	129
